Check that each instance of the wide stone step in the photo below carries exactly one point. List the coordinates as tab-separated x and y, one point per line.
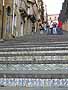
13	61
39	48
32	44
42	74
12	43
34	50
39	51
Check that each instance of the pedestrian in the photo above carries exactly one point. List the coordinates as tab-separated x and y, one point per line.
60	24
48	28
45	26
51	27
54	29
60	27
41	28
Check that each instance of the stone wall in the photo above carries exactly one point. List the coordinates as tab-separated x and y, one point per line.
65	26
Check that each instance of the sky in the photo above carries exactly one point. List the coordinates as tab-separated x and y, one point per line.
53	6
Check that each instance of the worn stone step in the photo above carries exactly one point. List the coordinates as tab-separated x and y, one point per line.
34	59
42	74
47	48
29	61
33	45
35	53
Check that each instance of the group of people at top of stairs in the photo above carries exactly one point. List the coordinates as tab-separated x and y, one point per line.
51	28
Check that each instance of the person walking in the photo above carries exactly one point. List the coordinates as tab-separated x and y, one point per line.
54	29
60	24
45	26
60	27
51	27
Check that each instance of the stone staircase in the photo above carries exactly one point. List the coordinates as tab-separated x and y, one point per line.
34	50
50	52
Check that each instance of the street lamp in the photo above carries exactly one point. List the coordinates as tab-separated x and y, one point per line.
2	19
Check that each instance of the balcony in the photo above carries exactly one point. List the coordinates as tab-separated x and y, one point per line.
22	8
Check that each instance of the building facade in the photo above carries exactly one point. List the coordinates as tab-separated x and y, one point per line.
41	9
20	17
63	16
64	12
5	18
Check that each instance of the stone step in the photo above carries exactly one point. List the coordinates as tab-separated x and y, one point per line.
40	48
49	61
21	45
34	53
32	43
42	74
